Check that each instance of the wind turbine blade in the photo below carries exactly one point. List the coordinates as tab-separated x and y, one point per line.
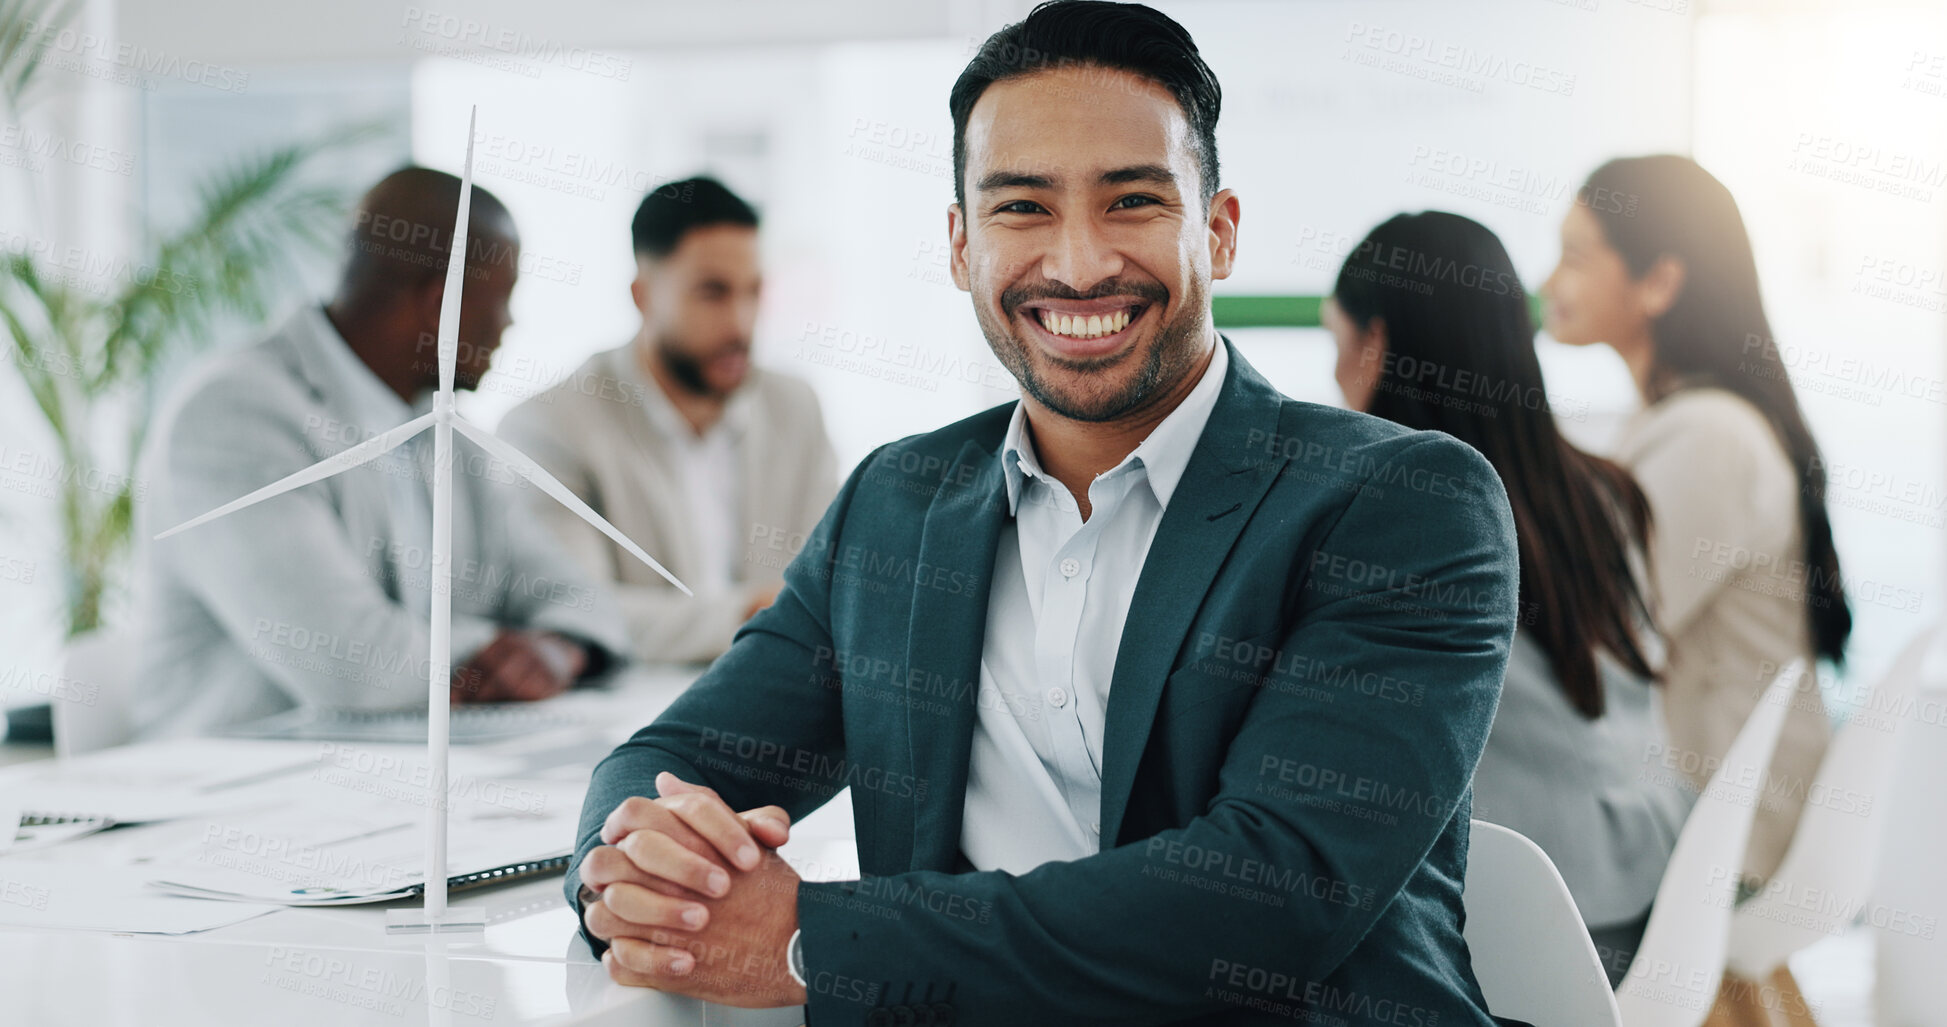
537	474
365	452
449	301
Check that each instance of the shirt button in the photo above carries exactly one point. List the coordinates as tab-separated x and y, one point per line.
1057	698
1071	567
1095	826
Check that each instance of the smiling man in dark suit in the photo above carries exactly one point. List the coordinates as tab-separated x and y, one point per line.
1158	693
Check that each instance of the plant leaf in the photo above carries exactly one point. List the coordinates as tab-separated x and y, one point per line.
26	29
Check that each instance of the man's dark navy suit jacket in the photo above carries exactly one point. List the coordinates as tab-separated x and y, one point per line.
1306	678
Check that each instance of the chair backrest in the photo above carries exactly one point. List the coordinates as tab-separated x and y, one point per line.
1532	955
1827	874
1673	980
98	669
1908	912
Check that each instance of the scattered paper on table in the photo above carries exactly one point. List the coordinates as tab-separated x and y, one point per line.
42	894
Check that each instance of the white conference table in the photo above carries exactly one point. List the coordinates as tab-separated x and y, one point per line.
301	966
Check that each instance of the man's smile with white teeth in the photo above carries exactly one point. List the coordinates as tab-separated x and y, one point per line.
1080	326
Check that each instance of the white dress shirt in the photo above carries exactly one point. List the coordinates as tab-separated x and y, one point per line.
1060	592
708	466
373	408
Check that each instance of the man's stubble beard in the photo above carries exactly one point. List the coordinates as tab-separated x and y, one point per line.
687	371
1175	352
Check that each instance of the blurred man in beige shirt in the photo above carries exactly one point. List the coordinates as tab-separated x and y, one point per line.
718	467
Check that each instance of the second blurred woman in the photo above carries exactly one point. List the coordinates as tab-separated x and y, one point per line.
1656	263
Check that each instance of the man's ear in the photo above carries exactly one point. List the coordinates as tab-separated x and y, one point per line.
956	237
1224	213
1658	289
639	293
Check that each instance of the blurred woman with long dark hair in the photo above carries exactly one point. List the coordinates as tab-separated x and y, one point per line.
1433	332
1656	264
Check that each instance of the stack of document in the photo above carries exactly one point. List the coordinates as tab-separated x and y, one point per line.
262	825
49	894
469	725
55	802
358	854
324	810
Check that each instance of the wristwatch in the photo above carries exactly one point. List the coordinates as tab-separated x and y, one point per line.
794	958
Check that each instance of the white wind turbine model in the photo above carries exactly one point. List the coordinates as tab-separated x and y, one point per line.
443	419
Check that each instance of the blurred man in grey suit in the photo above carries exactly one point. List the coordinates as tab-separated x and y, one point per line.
718	467
320	597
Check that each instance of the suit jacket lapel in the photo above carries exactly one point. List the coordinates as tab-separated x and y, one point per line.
1226	479
947	633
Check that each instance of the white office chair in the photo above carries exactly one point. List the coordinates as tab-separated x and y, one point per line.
1532	955
1836	845
94	714
1673	980
1908	914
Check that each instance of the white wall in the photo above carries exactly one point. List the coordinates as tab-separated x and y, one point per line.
564	34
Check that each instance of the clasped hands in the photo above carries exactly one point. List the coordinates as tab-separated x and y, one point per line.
519	666
693	898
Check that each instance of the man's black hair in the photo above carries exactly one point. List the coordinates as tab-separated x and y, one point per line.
1085	33
673	209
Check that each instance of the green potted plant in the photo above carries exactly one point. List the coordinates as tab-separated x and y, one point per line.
89	351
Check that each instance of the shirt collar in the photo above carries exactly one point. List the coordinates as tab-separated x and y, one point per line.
1163	456
372	404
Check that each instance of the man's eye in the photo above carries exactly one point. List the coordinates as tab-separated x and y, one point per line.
1134	201
1019	207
